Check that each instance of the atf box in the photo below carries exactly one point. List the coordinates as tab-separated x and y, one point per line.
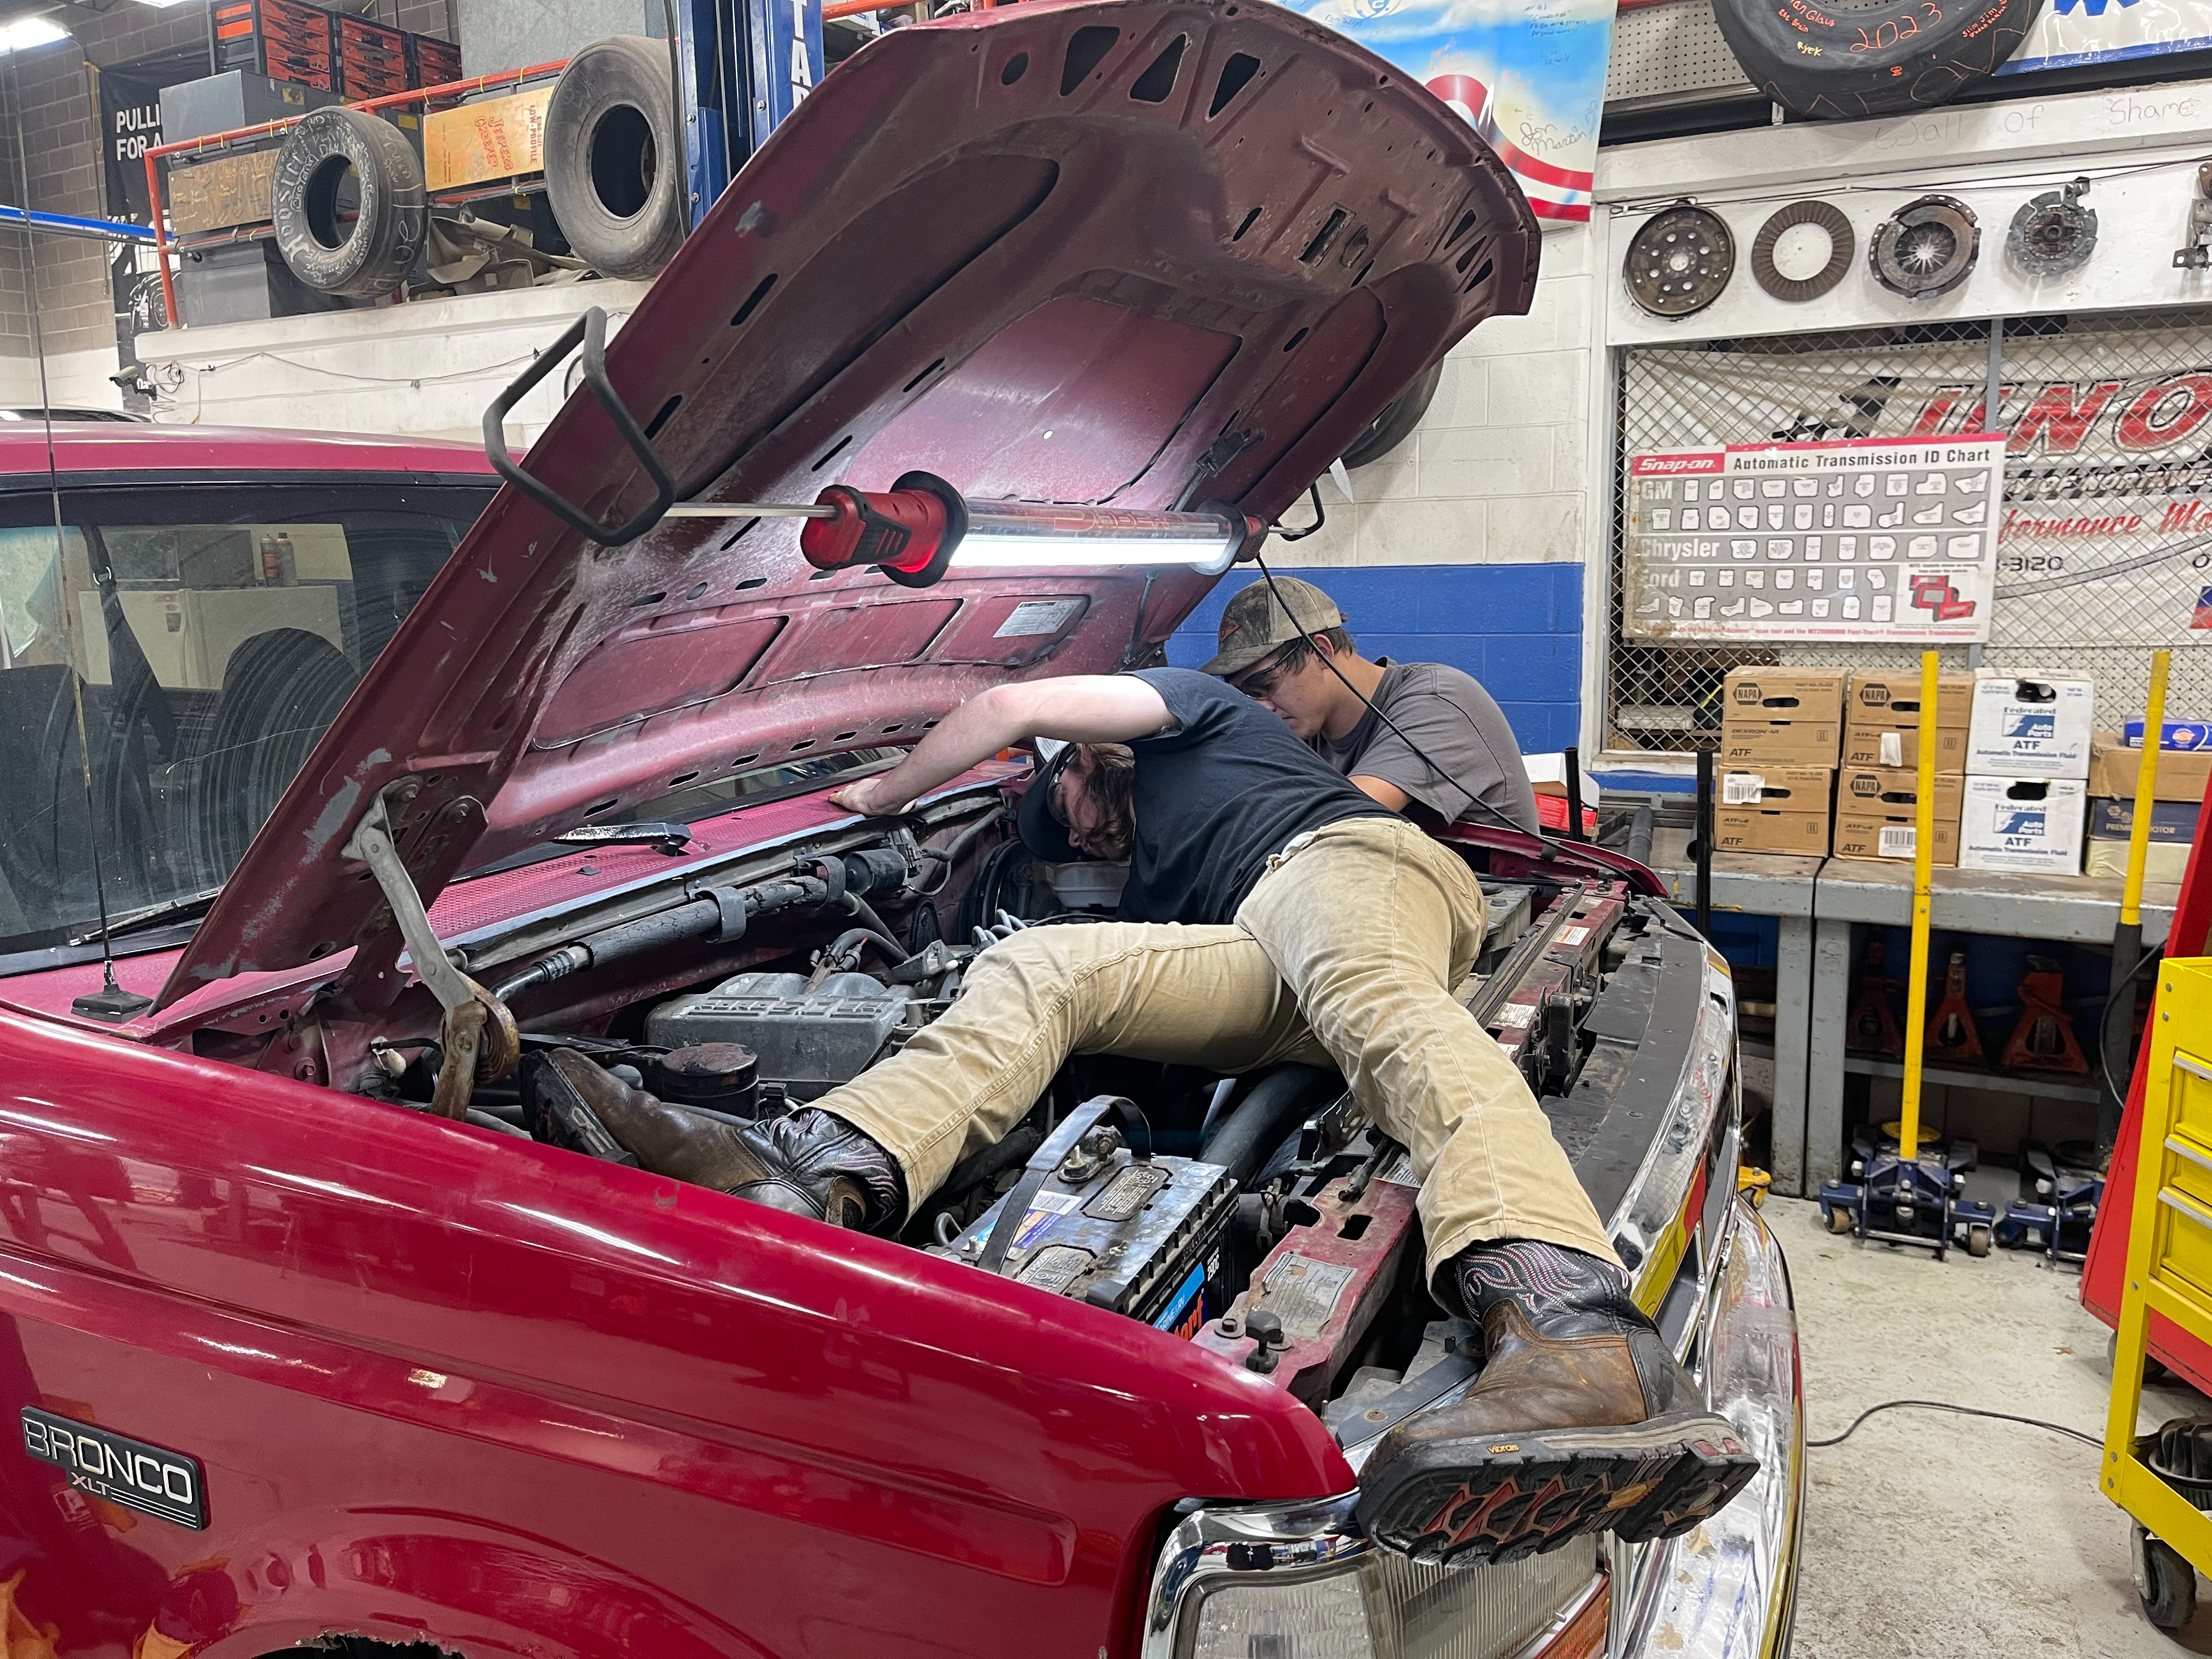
1892	748
1754	744
1783	694
1779	789
2184	775
1879	699
2029	824
1892	832
1750	830
2031	728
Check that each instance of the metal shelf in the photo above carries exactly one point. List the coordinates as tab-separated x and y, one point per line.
2048	1086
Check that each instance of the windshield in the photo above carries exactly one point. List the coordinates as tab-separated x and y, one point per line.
168	662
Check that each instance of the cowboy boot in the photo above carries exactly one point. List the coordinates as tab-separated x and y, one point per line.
807	1163
1581	1421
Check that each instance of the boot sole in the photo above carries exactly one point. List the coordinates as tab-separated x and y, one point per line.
1465	1503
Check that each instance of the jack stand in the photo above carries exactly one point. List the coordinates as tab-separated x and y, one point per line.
1953	1039
1911	1201
2042	1038
2058	1206
1873	1028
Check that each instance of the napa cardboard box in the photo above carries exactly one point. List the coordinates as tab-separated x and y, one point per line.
2183	774
1886	789
1755	830
1783	694
2031	728
2173	831
1882	831
2032	825
1752	745
1779	789
1891	701
1885	746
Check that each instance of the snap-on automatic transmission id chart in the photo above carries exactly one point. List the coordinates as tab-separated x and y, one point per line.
1855	539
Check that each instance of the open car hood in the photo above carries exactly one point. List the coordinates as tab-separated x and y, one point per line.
1132	253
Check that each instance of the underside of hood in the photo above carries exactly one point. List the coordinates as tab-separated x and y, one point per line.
1137	253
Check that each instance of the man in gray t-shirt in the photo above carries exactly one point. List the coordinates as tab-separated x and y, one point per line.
1283	658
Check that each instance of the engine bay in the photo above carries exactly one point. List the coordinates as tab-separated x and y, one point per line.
1260	1216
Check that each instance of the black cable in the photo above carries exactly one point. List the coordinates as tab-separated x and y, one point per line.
2125	988
1963	1411
1473	799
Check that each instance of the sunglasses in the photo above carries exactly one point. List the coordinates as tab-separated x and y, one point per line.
1261	682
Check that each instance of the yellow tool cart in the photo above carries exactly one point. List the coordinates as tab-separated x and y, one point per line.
2161	1479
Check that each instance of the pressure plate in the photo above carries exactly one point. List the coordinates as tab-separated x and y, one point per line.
2053	233
1926	248
1823	220
1680	261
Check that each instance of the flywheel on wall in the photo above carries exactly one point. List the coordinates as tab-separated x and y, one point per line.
1680	261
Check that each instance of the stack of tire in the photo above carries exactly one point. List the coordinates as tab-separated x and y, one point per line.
351	213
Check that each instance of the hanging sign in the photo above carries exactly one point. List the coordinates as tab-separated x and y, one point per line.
1853	538
131	124
1528	74
2074	31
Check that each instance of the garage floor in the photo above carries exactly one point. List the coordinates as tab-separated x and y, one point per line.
1928	1535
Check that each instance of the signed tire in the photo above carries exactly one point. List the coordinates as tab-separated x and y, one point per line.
1836	63
1397	421
614	157
348	205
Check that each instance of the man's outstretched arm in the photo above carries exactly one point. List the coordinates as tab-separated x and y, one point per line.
1072	708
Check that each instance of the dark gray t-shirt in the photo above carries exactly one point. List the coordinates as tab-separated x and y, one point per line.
1455	722
1214	797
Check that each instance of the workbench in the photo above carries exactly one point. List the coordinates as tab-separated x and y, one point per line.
1815	903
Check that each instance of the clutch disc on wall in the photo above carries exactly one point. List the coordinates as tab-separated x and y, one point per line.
1926	247
1822	218
1680	261
2053	233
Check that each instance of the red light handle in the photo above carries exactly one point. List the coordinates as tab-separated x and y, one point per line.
909	531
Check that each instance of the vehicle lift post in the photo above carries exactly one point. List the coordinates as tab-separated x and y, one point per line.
1901	1197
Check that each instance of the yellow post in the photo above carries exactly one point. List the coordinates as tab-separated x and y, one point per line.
1923	861
2146	791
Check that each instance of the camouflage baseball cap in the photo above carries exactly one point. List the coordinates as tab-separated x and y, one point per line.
1255	622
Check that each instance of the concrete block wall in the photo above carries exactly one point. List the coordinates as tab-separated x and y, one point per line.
1466	544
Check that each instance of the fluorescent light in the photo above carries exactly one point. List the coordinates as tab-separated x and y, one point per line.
29	32
1023	535
164	4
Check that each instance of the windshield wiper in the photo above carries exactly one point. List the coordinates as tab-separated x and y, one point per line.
669	838
132	921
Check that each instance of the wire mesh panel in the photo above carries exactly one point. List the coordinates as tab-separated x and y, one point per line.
2105	543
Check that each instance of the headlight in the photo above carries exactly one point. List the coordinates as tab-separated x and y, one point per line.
1276	1583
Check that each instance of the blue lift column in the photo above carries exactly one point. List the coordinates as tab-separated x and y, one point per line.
746	65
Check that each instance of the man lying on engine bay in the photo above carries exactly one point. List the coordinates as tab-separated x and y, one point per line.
1274	912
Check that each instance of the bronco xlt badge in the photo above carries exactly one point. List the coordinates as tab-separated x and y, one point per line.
103	1464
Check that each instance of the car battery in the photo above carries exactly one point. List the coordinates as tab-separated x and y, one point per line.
1099	1223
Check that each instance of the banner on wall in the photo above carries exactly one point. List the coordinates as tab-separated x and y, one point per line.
2071	31
1528	74
131	124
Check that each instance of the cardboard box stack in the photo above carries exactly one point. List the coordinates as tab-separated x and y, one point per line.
2183	777
1781	731
2027	769
1878	792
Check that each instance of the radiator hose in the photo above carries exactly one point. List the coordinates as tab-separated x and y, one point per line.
1276	1104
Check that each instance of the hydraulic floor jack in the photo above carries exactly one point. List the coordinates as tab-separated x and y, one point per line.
1917	1201
2060	1191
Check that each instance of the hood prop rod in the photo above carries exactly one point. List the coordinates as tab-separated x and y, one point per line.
478	1034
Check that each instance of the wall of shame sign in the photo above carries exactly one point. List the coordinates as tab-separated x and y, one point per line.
1853	538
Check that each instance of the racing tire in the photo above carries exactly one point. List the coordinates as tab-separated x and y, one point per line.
1837	64
614	157
372	254
1397	421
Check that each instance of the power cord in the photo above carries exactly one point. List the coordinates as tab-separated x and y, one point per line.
2125	988
2090	1440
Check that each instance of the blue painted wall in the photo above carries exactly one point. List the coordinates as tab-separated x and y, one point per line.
1516	628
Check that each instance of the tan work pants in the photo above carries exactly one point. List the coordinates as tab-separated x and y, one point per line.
1344	954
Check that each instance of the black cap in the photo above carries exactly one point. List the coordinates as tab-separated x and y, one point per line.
1043	834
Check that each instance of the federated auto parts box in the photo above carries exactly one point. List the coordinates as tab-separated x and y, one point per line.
1751	829
1779	789
2182	775
2173	831
2032	825
2031	728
